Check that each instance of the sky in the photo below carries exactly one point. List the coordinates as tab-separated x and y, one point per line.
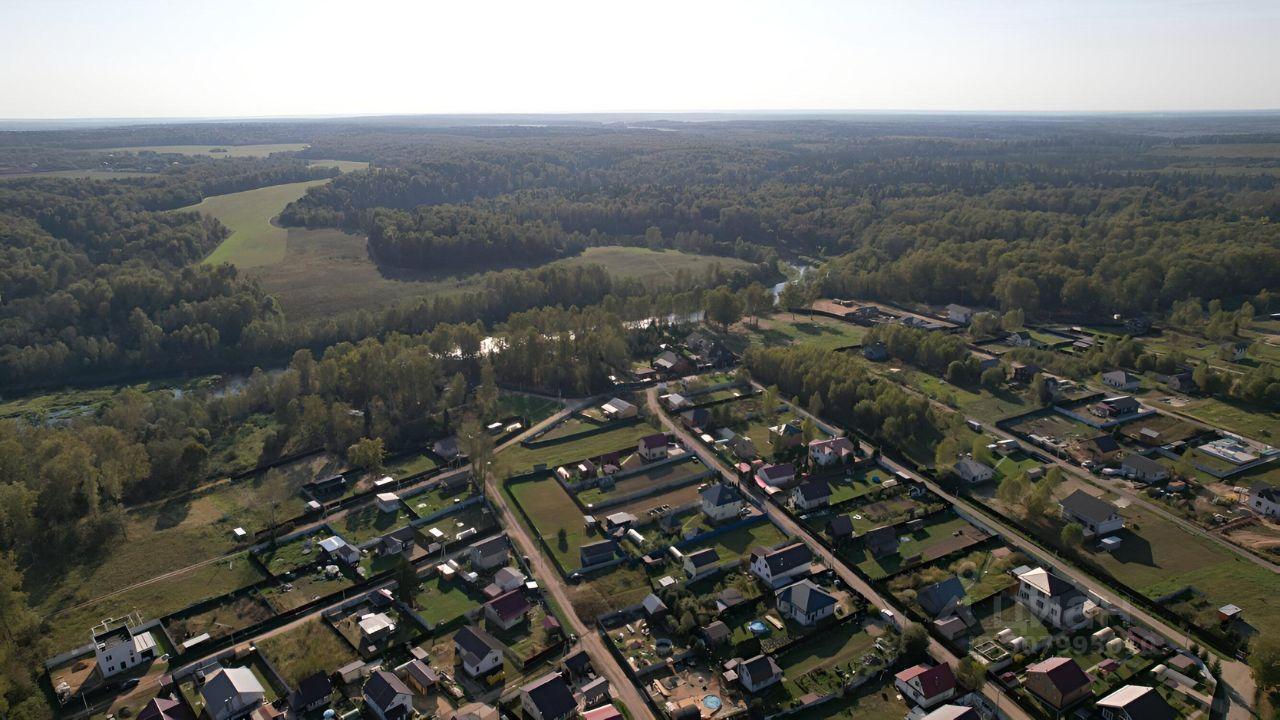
238	58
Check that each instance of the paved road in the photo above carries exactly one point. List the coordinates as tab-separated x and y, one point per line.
553	583
940	653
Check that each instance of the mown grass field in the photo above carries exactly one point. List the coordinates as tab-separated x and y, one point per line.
740	542
519	459
228	150
1250	422
789	329
550	510
658	266
254	240
90	174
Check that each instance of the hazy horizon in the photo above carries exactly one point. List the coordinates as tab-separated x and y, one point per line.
145	59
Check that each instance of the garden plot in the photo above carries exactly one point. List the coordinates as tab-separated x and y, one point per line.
304	649
740	541
857	483
435	499
368	521
685	471
554	516
518	459
824	663
307	587
1059	430
221	620
443	602
941	536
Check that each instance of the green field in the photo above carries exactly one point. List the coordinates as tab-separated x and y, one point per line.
920	542
368	522
342	165
70	627
91	174
740	542
228	150
550	510
657	266
254	240
440	602
518	459
1250	422
788	329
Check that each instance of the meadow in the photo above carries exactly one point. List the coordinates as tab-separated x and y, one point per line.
255	241
791	329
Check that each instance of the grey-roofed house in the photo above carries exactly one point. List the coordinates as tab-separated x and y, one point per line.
811	494
597	553
776	475
231	693
312	693
1144	469
805	602
779	567
840	527
1121	380
881	541
488	554
972	471
479	652
1095	515
548	698
387	696
720	502
716	633
941	598
701	563
758	673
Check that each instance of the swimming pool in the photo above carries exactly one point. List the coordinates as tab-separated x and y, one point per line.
711	702
757	627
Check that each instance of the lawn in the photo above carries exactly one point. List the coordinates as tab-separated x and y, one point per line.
1157	557
532	408
305	588
659	266
1241	419
788	329
1013	466
90	174
994	617
297	553
841	644
619	587
434	500
670	474
227	150
519	459
856	484
926	543
367	522
409	465
254	240
305	649
342	165
69	628
571	425
741	541
440	602
550	510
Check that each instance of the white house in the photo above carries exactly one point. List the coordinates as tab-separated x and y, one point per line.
805	602
1095	515
720	502
374	627
508	578
927	686
1052	599
652	447
387	501
701	563
832	451
812	494
758	673
782	566
618	409
231	693
340	550
387	696
548	698
1265	500
972	471
479	652
117	649
489	553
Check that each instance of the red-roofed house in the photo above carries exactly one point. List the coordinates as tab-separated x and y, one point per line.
927	686
652	447
507	610
1058	681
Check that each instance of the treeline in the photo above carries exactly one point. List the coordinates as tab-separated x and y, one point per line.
450	237
846	392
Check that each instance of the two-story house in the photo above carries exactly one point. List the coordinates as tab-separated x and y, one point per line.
758	673
1059	682
1052	599
702	563
116	648
720	502
782	566
811	494
652	447
833	451
927	686
230	693
387	696
1265	500
548	698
